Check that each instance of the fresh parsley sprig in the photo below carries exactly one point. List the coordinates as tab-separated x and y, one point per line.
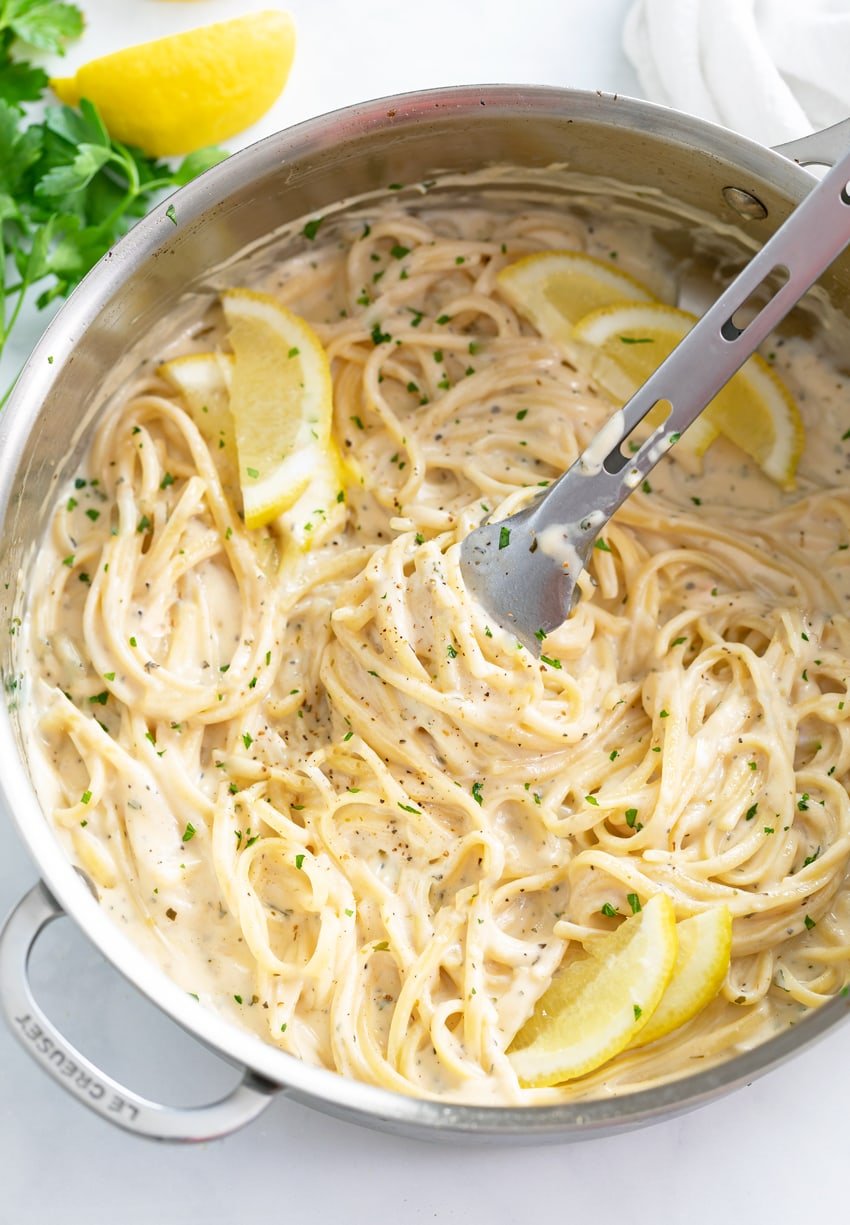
45	25
67	191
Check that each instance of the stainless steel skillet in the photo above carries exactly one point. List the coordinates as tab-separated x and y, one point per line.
680	172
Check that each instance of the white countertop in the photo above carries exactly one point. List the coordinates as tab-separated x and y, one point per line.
766	1153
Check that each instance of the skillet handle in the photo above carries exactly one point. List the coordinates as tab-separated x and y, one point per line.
822	148
70	1069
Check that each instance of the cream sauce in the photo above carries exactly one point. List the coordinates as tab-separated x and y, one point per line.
342	809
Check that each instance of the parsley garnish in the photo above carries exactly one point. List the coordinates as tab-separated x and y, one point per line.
602	545
379	337
609	911
311	229
477	793
809	922
553	663
188	832
299	860
636	340
69	191
504	537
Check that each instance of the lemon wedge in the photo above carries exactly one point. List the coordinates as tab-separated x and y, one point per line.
554	289
755	410
203	382
705	948
596	1006
281	399
203	379
320	510
177	94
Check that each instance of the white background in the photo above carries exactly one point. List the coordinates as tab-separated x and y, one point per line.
771	1152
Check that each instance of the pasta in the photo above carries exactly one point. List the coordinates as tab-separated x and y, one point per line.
342	807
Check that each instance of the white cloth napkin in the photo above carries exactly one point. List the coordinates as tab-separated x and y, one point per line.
771	69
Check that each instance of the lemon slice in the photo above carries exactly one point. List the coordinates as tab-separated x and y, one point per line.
754	410
320	510
203	381
705	947
554	289
596	1006
281	401
179	93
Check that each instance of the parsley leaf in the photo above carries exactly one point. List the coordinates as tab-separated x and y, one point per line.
42	23
67	191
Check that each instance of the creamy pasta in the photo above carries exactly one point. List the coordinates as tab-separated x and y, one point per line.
340	805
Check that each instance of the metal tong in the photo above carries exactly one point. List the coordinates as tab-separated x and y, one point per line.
524	570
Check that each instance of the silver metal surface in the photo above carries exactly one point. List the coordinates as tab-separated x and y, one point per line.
744	204
525	569
77	1075
822	148
159	274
